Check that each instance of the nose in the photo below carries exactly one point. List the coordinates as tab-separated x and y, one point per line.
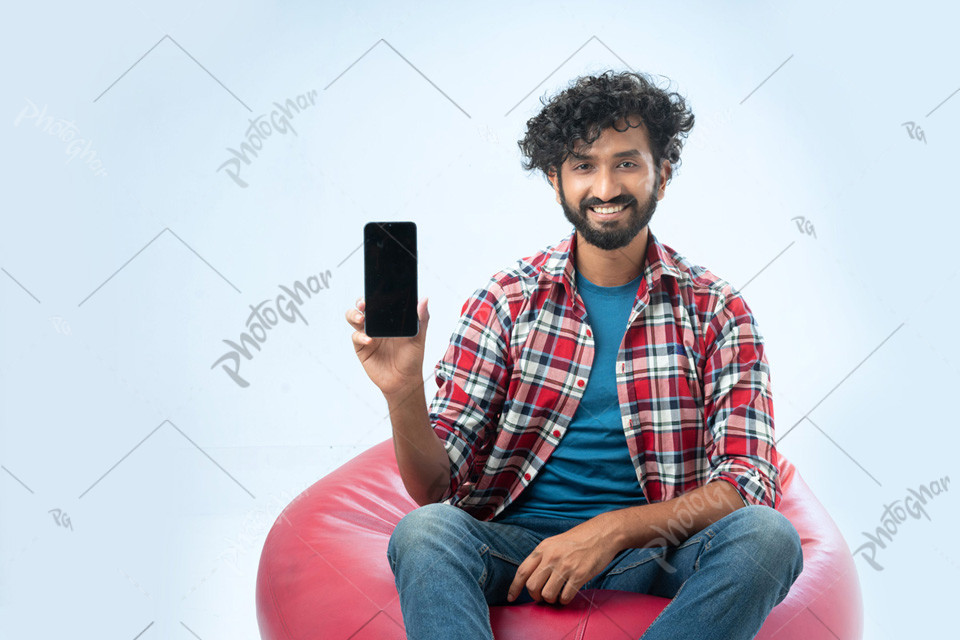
605	186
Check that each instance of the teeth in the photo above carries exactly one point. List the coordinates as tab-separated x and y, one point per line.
607	209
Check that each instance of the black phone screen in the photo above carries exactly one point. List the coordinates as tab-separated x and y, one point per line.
390	279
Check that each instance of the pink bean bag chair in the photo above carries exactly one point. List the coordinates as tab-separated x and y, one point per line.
324	571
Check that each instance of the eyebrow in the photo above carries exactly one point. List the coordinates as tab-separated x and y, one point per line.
622	154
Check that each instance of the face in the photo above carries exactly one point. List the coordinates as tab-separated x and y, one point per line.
609	192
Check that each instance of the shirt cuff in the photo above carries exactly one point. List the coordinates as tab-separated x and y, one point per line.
746	480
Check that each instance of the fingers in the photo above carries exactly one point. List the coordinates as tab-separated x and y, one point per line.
355	315
544	583
424	318
570	591
360	340
520	579
355	318
551	590
538	581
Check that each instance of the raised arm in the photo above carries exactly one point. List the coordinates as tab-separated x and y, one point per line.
395	365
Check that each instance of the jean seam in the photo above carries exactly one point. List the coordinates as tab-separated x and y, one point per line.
696	567
696	564
663	552
689	541
672	600
483	576
786	590
618	570
497	554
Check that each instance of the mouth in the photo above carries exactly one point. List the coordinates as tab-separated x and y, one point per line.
608	212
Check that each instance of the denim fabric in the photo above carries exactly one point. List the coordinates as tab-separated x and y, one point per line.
723	581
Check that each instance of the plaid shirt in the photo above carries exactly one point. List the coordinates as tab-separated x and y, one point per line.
693	382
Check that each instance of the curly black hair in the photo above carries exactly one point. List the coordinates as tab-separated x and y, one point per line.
593	103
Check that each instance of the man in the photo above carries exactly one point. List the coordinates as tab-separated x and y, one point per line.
603	418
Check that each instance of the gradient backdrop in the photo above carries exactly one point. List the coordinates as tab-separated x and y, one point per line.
139	477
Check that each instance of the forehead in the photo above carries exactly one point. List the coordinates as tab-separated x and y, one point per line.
612	141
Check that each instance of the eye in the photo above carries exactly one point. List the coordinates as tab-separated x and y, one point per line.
582	164
628	162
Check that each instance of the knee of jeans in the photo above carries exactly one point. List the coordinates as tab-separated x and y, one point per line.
422	527
775	538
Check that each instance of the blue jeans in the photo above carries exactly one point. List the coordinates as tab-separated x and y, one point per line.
723	581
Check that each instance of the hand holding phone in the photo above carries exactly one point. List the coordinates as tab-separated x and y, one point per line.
395	365
391	327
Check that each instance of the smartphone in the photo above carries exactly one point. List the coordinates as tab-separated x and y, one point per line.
390	280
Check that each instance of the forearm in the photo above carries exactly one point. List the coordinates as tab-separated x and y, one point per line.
421	456
672	521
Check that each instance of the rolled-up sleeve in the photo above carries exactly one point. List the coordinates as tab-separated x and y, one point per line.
739	407
472	381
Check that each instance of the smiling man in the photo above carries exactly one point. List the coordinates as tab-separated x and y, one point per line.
604	417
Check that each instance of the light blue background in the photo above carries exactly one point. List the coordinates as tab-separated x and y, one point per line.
118	289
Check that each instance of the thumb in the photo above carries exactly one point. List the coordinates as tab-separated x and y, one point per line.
422	311
424	317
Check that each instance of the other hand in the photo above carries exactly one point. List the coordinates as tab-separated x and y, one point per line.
561	564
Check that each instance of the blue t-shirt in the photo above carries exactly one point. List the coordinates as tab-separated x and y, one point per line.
589	471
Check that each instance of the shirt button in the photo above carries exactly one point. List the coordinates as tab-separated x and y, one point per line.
556	433
589	334
580	382
526	477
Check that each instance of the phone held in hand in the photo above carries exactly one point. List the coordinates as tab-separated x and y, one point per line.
390	279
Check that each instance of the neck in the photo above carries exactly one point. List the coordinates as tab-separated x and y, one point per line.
612	268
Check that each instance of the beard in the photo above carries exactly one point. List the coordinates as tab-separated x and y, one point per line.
617	233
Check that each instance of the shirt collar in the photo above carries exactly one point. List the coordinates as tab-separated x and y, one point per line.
559	266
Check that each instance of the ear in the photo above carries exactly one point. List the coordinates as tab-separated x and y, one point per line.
665	172
552	177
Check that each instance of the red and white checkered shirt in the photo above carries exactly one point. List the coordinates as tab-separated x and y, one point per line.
693	382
